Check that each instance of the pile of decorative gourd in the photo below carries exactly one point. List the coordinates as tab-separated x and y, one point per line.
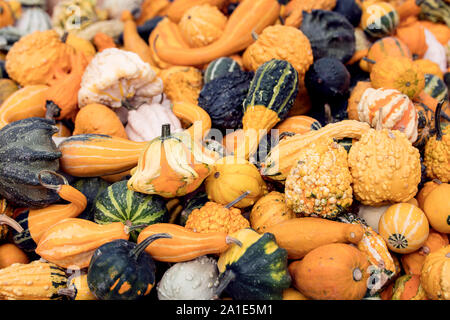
119	172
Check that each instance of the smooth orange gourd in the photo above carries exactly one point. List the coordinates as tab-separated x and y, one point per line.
250	16
301	235
102	41
72	242
179	7
26	102
185	244
10	254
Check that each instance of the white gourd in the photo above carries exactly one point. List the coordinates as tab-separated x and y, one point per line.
116	7
372	215
33	19
192	280
436	51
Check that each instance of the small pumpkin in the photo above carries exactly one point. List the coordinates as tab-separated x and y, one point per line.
122	270
202	25
119	204
437	208
398	73
98	119
417	44
343	277
172	165
269	210
222	187
257	270
404	227
434	278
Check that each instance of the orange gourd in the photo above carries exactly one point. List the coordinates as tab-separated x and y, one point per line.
26	102
331	272
99	119
132	41
412	33
62	96
439	30
153	8
177	9
250	16
435	277
302	235
407	9
404	227
412	263
425	191
298	124
7	16
103	41
185	245
355	98
10	254
437	208
71	242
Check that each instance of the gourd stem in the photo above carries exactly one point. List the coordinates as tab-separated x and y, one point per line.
437	120
52	110
64	37
126	104
135	253
129	227
4	219
165	130
50	186
281	20
242	196
254	35
69	292
357	274
228	276
369	60
230	240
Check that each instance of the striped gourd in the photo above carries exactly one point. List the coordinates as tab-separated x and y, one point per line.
435	87
220	67
434	10
388	108
33	281
404	227
271	95
117	203
379	19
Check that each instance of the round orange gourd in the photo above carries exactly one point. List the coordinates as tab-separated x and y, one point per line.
7	17
355	98
331	272
437	208
270	210
435	275
202	25
404	227
10	254
387	47
99	119
425	191
398	73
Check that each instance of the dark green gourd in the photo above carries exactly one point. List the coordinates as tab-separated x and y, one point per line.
330	34
117	203
122	270
91	188
222	99
26	148
350	10
219	68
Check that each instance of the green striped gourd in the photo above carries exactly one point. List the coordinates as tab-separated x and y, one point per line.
435	87
271	95
220	67
379	19
434	10
117	203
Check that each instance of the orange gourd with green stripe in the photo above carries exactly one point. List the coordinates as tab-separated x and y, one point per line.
385	48
404	227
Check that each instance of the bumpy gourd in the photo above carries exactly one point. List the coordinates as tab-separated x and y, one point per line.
385	167
182	83
435	276
319	184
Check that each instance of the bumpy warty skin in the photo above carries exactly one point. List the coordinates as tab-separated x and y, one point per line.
320	183
115	75
385	168
437	157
